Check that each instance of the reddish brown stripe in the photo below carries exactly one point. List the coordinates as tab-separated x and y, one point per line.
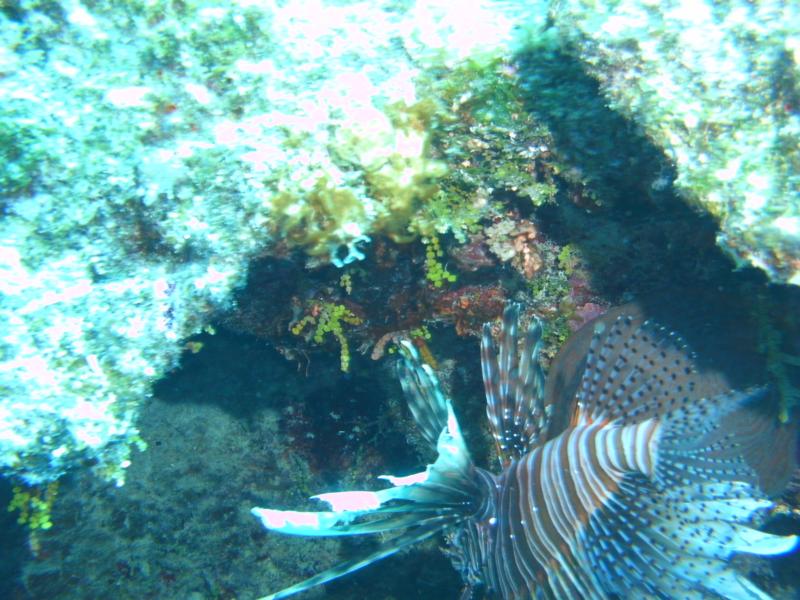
526	547
572	490
513	580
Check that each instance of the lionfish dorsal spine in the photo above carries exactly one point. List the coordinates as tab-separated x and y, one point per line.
426	399
514	386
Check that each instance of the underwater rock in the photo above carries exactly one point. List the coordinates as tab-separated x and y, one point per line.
151	150
716	86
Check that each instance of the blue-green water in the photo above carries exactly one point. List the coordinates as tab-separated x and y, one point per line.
217	220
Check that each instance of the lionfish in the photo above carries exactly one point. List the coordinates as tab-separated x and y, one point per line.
648	489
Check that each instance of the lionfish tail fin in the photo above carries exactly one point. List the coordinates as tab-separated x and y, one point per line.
415	507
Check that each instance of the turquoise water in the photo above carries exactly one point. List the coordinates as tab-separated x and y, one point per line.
218	220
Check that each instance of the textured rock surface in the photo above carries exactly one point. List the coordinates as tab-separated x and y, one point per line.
149	151
716	85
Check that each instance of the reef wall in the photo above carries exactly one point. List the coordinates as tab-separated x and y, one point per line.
152	150
716	85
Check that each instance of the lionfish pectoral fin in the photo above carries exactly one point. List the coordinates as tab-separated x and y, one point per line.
711	504
386	549
684	495
409	509
339	521
695	446
408	503
752	541
416	506
678	541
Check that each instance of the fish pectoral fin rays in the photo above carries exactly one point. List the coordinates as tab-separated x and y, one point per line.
414	508
694	447
677	542
359	513
408	503
752	541
673	529
409	538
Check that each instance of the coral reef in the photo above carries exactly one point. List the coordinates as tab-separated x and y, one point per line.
150	153
470	307
127	234
318	181
514	241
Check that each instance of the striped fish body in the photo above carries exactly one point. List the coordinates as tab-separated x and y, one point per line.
644	494
533	542
647	491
